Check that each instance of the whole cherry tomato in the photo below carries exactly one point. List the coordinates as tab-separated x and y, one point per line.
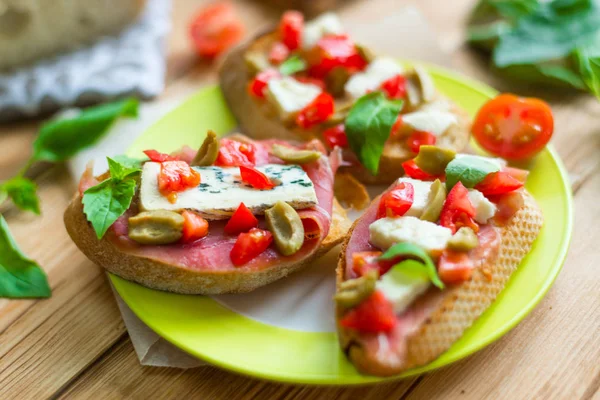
215	28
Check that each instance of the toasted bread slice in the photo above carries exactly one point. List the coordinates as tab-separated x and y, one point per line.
459	305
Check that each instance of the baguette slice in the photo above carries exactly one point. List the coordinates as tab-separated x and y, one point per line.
456	308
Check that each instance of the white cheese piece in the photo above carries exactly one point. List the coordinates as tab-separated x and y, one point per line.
484	209
401	288
291	96
426	83
421	196
386	232
432	121
221	191
437	105
498	162
377	72
325	24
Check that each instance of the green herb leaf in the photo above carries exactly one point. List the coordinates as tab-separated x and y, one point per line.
470	170
22	192
414	253
20	277
60	139
130	161
120	171
588	62
368	127
292	65
104	203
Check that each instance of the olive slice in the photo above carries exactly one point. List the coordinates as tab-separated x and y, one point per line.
426	83
365	53
156	227
336	80
208	152
353	291
434	159
256	62
286	226
463	240
435	202
294	156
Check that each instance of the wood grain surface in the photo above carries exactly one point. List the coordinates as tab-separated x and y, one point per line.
74	345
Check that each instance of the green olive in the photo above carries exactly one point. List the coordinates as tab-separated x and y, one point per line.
342	108
463	240
286	226
435	202
425	84
353	291
256	62
433	159
294	156
208	152
156	227
365	53
336	80
413	94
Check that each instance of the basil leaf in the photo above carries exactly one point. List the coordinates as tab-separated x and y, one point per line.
60	139
292	65
22	192
120	171
129	161
104	203
368	127
414	252
20	277
588	62
470	170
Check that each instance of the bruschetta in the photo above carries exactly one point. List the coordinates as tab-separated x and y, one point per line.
429	256
303	81
233	216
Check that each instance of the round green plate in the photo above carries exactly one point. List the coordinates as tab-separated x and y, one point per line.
212	332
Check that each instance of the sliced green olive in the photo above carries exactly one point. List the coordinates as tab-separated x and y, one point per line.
336	80
156	227
365	53
435	202
463	240
286	226
425	83
294	156
342	108
208	152
433	159
256	62
353	291
413	94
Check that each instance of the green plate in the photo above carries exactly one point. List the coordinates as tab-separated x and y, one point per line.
212	332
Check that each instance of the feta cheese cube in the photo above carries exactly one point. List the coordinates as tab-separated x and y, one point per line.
386	232
377	72
432	121
402	288
325	24
290	96
421	196
484	209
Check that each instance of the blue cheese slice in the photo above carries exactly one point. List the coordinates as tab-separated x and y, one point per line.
221	191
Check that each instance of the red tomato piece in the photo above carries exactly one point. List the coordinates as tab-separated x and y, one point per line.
315	81
215	28
458	210
336	136
397	201
412	170
498	183
242	220
157	156
255	178
455	267
250	245
418	139
334	51
512	127
375	314
279	52
176	176
364	261
194	227
517	173
290	29
395	87
233	154
257	86
508	205
316	112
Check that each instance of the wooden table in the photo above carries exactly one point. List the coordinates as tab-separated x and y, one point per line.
75	344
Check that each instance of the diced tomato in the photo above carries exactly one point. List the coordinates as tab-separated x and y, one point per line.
336	136
278	53
194	227
255	178
395	87
412	170
316	112
418	139
498	183
250	245
234	154
334	51
257	86
397	201
156	156
455	267
396	127
458	210
176	176
290	29
315	81
508	205
364	261
242	220
517	173
375	314
215	28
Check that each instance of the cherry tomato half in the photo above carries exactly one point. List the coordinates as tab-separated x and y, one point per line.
176	176
397	201
215	28
336	136
233	154
375	314
242	220
255	178
458	210
290	29
250	245
418	139
316	112
512	127
257	86
455	267
194	227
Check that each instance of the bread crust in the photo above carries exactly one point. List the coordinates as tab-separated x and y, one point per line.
460	306
259	124
162	276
